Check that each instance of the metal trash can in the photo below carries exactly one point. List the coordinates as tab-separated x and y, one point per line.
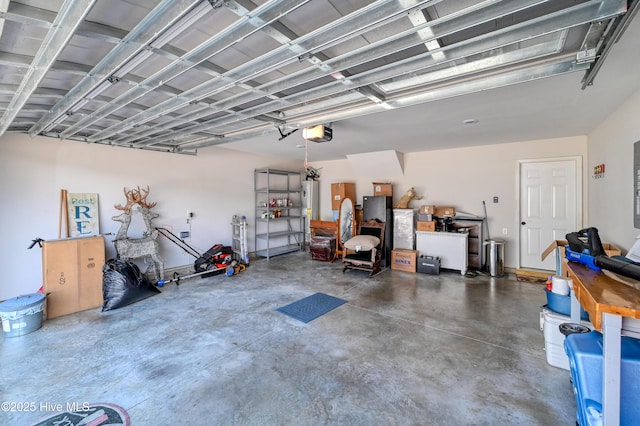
495	257
22	315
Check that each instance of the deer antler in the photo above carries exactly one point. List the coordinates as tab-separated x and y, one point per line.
142	199
136	196
131	200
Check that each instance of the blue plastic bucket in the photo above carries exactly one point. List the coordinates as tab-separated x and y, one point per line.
562	305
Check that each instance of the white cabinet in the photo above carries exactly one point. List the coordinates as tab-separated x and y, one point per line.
450	247
279	223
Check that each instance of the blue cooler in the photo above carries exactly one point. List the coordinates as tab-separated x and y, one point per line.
585	363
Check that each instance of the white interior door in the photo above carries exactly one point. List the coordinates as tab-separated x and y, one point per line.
550	207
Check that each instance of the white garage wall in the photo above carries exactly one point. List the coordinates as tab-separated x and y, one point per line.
462	178
215	185
611	144
218	183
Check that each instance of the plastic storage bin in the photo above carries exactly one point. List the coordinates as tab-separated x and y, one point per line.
554	340
22	315
585	361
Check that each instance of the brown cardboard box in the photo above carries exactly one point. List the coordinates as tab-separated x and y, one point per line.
609	249
385	189
442	211
340	191
426	226
558	247
427	209
404	260
72	273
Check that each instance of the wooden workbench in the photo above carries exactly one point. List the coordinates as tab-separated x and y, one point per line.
599	293
607	300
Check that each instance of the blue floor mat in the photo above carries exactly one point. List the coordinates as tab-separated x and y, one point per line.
311	307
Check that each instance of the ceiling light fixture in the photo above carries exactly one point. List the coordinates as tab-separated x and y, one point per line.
319	133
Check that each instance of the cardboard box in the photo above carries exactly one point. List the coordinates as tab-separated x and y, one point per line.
609	248
554	245
558	247
72	274
340	191
442	211
404	260
427	209
426	226
384	189
424	217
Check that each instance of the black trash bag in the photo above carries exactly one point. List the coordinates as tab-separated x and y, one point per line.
124	284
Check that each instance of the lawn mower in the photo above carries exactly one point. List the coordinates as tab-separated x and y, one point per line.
217	260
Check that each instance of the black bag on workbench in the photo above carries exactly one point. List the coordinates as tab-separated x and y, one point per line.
124	284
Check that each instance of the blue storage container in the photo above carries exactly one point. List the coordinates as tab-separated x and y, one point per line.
562	305
585	363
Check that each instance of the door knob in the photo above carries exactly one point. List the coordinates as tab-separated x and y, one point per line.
523	223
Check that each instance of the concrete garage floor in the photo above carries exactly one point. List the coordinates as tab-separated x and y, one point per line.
407	349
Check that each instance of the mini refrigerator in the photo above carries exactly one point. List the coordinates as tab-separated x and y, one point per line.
404	229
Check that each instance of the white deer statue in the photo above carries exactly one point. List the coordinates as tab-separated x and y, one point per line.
145	247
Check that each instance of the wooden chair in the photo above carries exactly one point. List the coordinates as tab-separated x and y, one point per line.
364	251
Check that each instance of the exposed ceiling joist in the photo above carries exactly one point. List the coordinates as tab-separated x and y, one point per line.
180	75
129	53
508	36
71	14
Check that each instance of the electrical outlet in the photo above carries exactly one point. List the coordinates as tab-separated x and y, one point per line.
505	231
